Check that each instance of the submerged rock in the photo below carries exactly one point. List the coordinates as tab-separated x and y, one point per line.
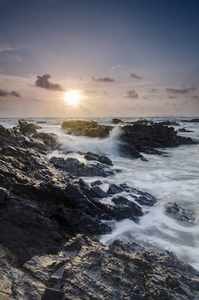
178	213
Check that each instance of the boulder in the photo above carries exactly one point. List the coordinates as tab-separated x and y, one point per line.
85	128
28	128
101	158
178	213
117	121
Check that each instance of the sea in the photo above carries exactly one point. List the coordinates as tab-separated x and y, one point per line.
172	177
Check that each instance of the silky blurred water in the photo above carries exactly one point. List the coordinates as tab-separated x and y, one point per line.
173	177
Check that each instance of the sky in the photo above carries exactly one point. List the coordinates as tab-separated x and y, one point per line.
123	58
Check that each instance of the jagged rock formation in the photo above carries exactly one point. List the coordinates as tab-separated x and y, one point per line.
48	217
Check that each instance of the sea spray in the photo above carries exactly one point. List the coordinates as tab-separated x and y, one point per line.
103	146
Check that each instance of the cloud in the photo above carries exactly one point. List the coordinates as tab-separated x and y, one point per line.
89	91
180	91
15	94
117	67
134	76
43	82
6	93
195	97
173	96
131	94
105	79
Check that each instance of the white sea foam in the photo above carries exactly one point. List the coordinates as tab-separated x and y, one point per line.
170	178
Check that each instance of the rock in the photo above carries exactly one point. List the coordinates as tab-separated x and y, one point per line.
169	123
85	128
46	267
178	213
10	137
76	168
126	271
117	121
101	158
27	233
3	194
184	130
145	138
114	189
28	128
52	294
191	121
15	283
49	139
126	209
142	198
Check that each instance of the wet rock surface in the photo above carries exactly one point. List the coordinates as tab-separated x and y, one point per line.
45	206
101	158
178	213
86	128
76	168
142	136
146	138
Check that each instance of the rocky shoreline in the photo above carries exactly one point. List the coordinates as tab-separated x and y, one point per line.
49	218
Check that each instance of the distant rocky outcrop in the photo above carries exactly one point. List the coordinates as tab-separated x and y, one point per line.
141	136
191	121
86	128
148	138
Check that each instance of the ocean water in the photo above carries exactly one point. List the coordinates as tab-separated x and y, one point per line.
173	177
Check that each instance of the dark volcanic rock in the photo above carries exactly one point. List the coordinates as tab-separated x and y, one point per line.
41	142
39	207
117	121
85	128
76	168
10	137
145	138
142	198
101	158
28	128
49	139
126	271
178	213
191	121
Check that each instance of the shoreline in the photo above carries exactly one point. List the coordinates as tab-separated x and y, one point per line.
45	205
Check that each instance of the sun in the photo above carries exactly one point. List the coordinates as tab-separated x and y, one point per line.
73	97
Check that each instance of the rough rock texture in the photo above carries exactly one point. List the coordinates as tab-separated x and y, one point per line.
42	142
40	206
28	128
42	209
125	271
85	128
76	168
101	158
146	138
178	213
